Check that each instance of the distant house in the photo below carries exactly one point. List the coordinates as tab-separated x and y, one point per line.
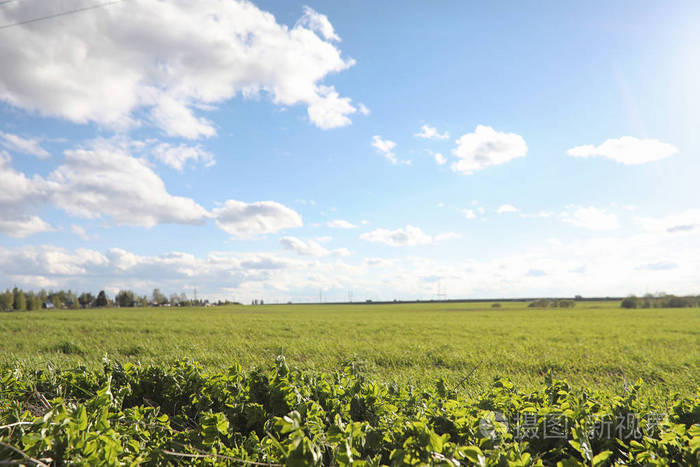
47	305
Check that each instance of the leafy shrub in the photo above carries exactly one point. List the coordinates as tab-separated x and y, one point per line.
133	415
67	348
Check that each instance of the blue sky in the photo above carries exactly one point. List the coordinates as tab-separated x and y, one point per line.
275	149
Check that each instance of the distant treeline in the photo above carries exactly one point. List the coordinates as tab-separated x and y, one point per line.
663	301
547	303
19	300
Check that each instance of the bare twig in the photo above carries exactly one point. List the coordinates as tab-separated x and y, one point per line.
42	399
24	454
464	380
3	427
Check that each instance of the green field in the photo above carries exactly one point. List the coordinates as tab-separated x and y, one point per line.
596	345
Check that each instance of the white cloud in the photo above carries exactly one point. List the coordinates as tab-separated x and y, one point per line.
178	156
82	233
340	224
468	213
591	218
100	179
167	59
596	266
304	247
504	208
378	262
407	236
439	158
217	274
19	195
103	178
486	147
246	220
627	150
27	146
329	110
176	119
386	147
24	226
429	132
310	247
17	191
678	223
318	23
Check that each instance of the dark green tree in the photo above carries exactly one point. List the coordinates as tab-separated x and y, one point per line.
20	300
125	298
7	301
33	301
101	299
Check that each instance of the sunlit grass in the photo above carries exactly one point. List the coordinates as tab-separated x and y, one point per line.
593	345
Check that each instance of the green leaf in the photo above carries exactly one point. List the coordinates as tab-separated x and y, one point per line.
601	458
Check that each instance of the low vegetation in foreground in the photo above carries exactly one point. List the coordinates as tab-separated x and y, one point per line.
401	384
159	415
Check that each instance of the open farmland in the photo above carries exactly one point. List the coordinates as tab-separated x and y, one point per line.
595	345
394	384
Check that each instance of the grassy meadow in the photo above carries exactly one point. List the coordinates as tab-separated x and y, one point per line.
594	345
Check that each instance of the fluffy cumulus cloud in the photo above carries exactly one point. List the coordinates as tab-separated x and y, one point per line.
19	196
219	274
178	156
589	266
405	236
24	226
506	208
246	220
340	224
16	143
104	179
486	147
16	189
439	158
430	132
310	247
590	217
166	60
319	23
304	247
627	150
